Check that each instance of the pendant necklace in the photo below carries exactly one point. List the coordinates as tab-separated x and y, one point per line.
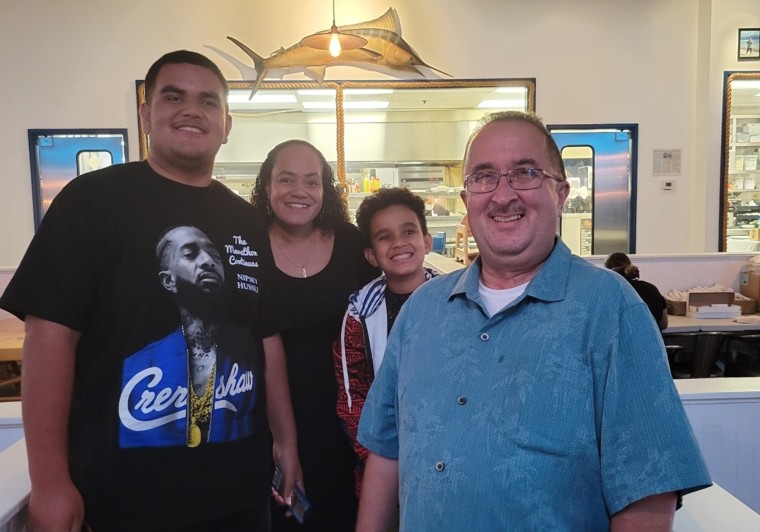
199	407
302	267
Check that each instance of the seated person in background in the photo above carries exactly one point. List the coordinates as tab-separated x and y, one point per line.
433	208
648	292
392	224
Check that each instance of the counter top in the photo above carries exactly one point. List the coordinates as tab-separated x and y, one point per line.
11	339
441	263
677	324
724	388
714	508
15	485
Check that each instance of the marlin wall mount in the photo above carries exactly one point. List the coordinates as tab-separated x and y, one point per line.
385	50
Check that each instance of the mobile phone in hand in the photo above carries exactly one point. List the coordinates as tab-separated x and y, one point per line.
299	505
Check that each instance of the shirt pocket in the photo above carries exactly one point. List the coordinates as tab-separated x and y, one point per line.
555	412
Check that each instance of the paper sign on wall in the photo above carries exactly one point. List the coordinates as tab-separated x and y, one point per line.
667	162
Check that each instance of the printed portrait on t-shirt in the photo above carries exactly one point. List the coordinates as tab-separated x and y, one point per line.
197	385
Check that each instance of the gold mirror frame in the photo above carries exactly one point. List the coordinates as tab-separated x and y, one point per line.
340	88
741	106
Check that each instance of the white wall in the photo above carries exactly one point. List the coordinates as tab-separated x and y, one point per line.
656	63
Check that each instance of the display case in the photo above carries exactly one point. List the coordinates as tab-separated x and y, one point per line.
743	169
374	133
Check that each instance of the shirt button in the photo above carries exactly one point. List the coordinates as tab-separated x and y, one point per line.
440	466
484	336
461	400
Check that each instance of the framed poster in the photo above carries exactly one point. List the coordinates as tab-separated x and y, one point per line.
748	44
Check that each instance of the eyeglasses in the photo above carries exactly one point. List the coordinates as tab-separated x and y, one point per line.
519	179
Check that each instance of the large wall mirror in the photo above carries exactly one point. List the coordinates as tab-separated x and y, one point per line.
375	133
740	191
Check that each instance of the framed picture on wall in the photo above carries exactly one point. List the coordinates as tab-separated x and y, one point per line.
749	44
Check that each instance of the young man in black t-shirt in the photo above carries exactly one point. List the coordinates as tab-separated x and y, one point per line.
122	431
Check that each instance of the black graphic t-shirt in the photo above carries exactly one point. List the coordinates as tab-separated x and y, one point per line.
93	267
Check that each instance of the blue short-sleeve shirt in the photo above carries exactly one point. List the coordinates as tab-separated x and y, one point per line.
553	414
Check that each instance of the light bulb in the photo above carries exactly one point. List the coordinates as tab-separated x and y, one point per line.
334	45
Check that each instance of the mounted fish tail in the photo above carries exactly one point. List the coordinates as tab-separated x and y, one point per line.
384	37
394	50
388	21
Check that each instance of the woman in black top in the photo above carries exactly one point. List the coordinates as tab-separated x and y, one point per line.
648	292
320	261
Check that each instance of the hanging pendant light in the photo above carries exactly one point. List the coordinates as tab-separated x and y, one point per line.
334	41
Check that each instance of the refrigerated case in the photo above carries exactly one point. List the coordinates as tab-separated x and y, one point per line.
59	155
600	160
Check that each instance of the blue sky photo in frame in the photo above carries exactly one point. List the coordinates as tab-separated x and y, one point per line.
749	44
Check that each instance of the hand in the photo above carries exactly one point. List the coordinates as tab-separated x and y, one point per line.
57	507
286	457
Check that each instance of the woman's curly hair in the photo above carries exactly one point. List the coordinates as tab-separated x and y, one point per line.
334	211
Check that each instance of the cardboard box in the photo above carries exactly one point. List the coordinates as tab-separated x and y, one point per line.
749	284
711	305
675	308
748	306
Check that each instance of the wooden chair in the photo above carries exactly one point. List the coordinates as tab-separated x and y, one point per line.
462	251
